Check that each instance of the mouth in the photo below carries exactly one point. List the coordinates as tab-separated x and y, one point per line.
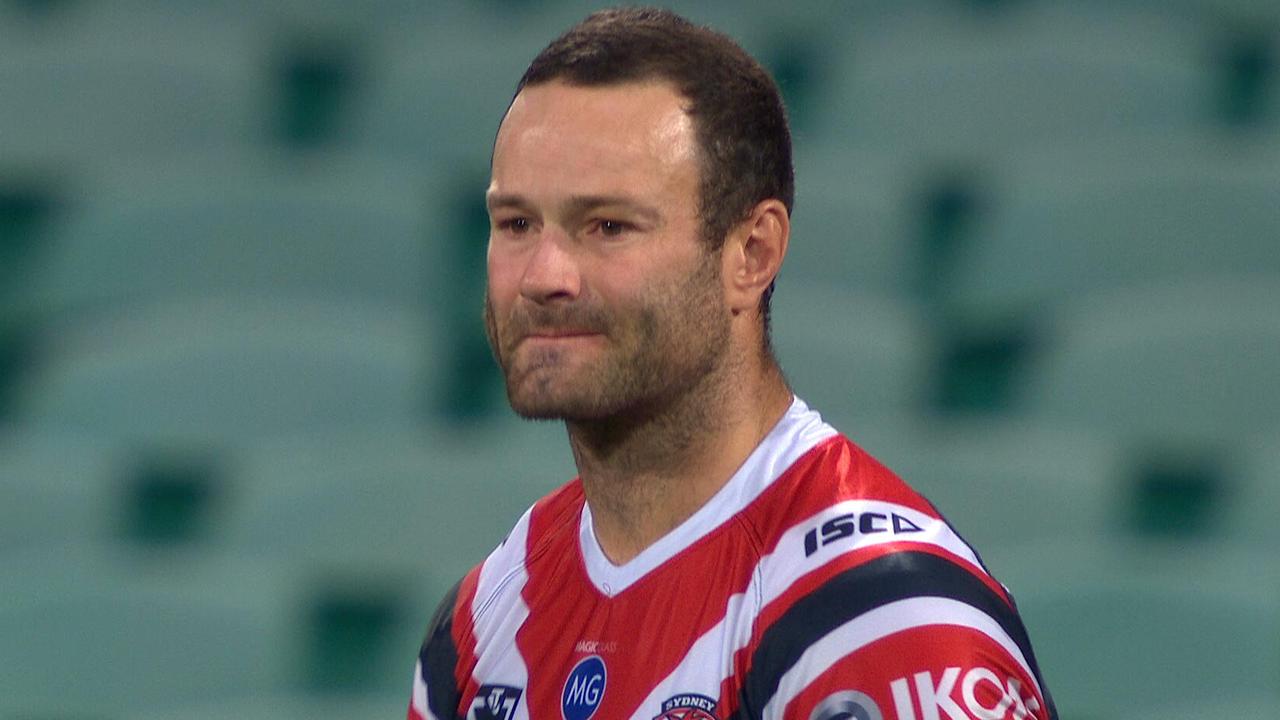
558	336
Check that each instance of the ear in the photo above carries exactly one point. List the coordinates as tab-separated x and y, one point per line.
753	254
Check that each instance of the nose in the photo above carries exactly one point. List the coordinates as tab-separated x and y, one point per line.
551	272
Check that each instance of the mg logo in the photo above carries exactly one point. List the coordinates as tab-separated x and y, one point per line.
584	689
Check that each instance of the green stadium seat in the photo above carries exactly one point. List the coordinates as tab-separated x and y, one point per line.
853	223
432	501
1250	513
1004	483
29	207
341	228
233	369
61	487
1040	73
851	354
57	488
1070	228
1174	362
386	523
1248	58
94	633
421	103
1120	627
95	92
320	16
1258	12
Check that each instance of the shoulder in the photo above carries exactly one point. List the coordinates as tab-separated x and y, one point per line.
862	579
551	521
837	522
836	497
475	613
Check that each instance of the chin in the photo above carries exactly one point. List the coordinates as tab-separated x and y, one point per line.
538	414
543	395
571	407
553	409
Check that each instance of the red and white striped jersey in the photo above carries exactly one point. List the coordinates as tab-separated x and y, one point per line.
815	585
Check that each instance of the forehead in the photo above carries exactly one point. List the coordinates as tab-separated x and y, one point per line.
625	137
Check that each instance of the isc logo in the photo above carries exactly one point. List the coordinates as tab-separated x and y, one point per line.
849	524
584	689
980	692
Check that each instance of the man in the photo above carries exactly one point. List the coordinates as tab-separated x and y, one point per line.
723	553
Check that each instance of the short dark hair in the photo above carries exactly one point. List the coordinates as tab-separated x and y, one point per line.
738	115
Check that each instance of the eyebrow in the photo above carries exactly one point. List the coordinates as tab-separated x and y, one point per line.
495	201
578	204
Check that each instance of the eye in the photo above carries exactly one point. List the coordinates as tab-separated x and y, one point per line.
612	228
514	226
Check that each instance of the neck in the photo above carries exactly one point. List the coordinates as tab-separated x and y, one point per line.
646	473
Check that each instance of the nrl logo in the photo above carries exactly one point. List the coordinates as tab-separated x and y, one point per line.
495	702
688	706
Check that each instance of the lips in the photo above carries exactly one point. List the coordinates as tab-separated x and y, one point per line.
558	334
557	340
556	326
557	337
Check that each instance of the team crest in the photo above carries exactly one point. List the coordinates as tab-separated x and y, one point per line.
688	706
495	702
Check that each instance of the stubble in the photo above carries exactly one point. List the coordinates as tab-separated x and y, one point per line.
665	347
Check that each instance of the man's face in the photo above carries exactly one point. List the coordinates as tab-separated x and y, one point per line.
602	298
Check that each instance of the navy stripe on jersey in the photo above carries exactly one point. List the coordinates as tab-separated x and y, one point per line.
439	658
855	591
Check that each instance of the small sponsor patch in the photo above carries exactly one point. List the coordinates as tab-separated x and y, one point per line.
495	702
978	689
689	706
584	689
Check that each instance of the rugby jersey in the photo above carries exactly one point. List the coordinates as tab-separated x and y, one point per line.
814	585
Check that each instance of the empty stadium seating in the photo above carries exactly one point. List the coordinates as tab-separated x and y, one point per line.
1004	484
226	369
853	224
92	93
58	488
249	433
1123	625
1255	492
247	224
434	500
1183	361
853	353
1039	73
94	632
1081	225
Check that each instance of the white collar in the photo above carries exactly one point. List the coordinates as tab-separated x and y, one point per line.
799	430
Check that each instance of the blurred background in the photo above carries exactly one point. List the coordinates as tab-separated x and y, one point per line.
250	431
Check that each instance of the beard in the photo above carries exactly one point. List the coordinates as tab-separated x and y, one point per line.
656	350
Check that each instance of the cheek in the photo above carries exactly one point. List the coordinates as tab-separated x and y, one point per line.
503	277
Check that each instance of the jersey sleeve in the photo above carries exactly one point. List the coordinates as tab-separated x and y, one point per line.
907	635
928	672
435	688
